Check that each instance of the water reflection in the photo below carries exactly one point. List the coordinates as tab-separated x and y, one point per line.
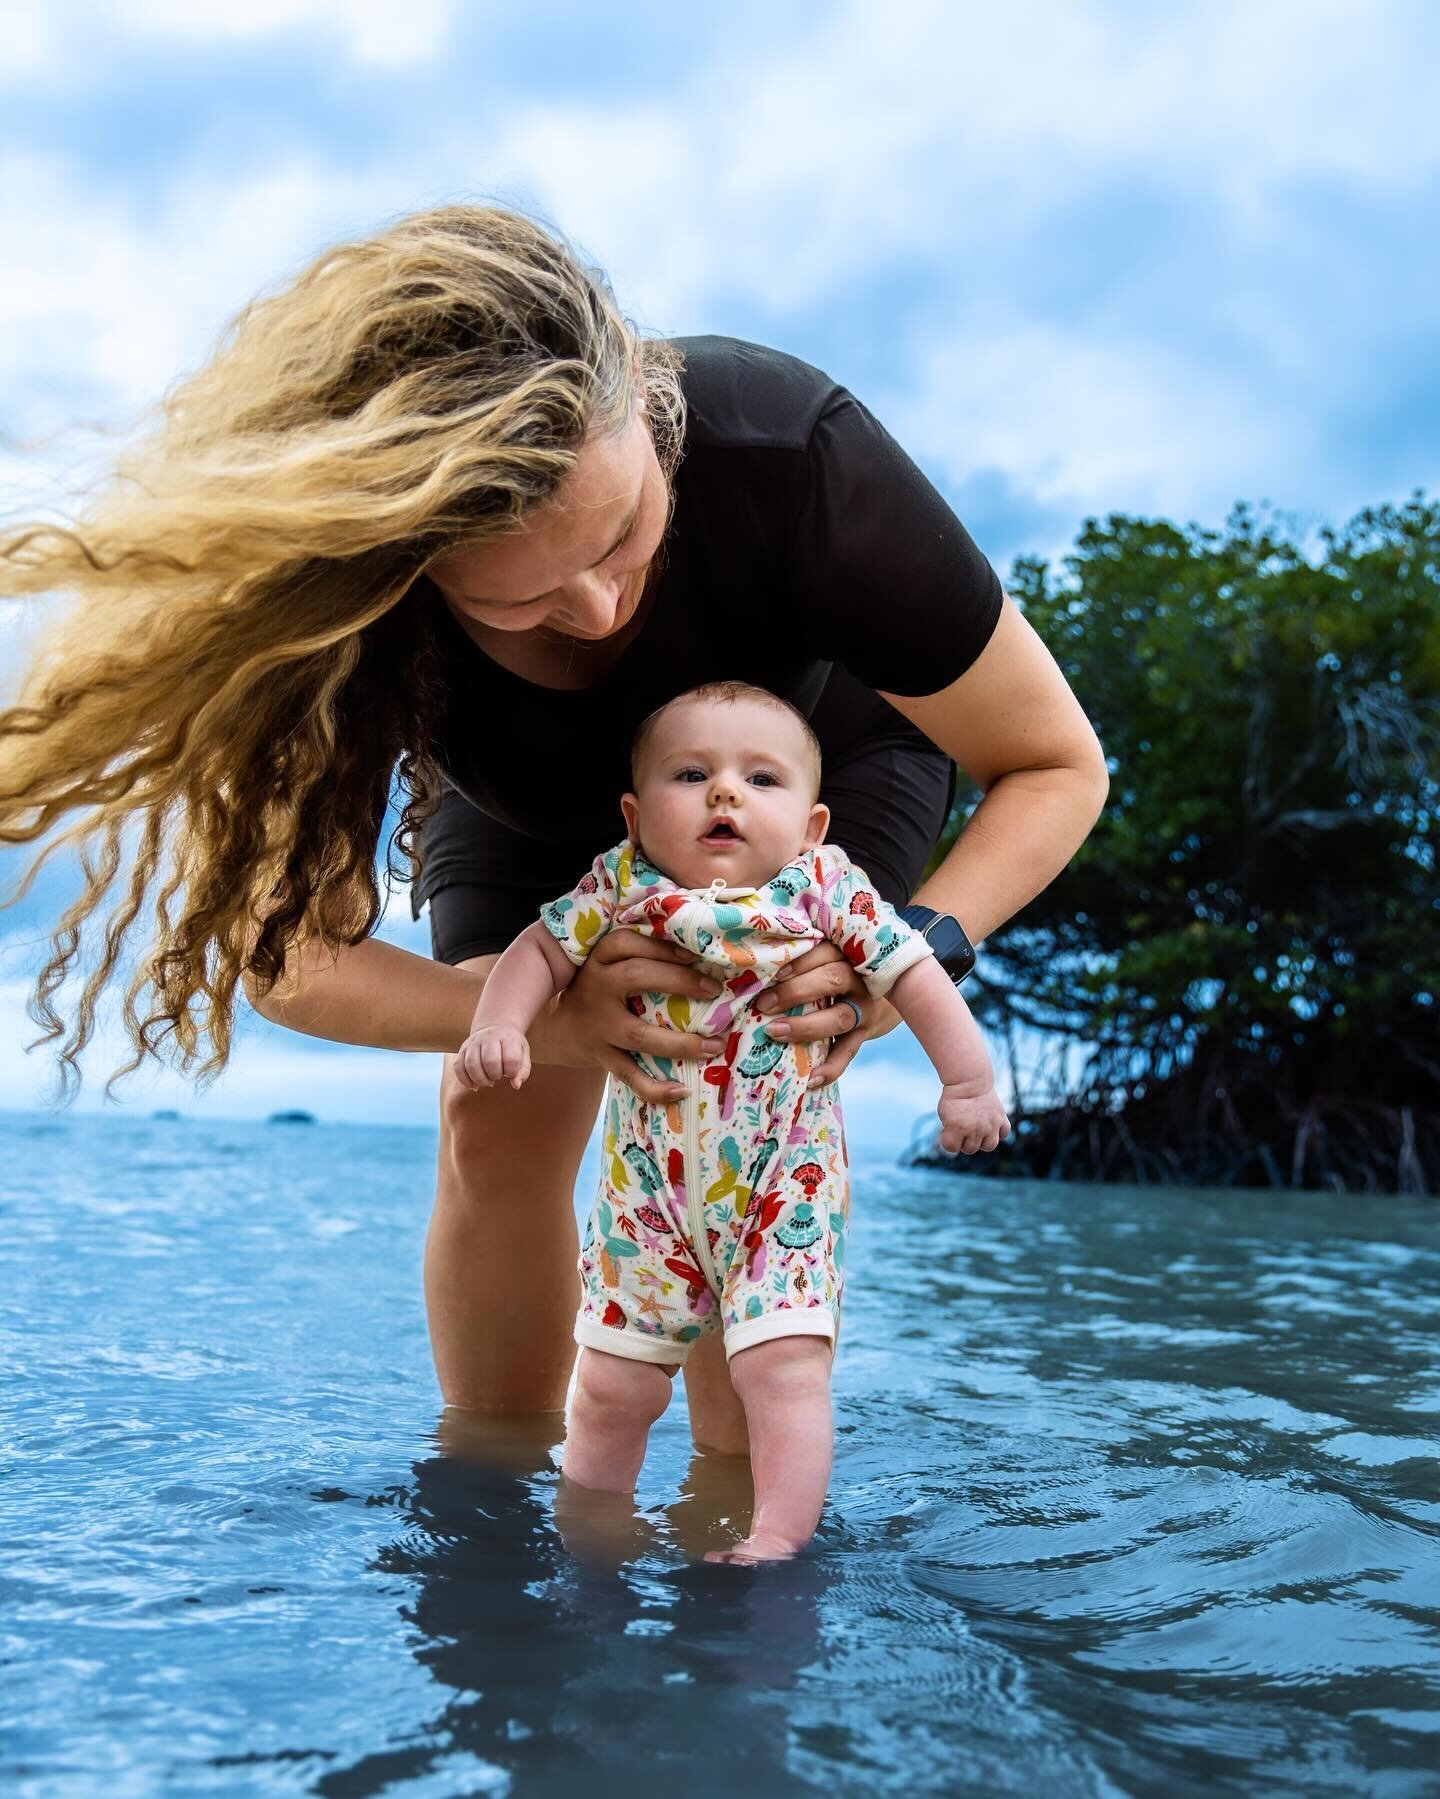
588	1644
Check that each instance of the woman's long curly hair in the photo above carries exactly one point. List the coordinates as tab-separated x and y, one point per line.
218	718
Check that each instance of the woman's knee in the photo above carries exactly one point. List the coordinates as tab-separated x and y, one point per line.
542	1127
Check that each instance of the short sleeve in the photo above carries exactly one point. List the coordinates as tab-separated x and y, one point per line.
897	590
867	930
579	919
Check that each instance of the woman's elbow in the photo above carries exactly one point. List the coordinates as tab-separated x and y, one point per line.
1092	767
1097	788
262	996
1100	781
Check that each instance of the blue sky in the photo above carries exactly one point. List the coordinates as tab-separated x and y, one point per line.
1079	258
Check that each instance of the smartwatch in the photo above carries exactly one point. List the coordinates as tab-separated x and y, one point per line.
946	936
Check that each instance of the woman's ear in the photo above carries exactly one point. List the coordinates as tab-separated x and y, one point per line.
630	806
819	824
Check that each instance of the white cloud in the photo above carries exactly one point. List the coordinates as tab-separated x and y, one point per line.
1090	424
375	31
963	143
108	297
933	128
62	43
955	141
31	40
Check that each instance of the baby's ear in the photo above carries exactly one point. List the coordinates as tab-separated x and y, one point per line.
630	806
819	824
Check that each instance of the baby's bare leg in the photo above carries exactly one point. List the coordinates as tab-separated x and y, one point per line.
616	1401
784	1386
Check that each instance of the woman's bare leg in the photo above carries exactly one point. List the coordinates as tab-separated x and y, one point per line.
502	1322
717	1418
501	1288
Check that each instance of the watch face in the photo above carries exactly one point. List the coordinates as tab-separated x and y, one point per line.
952	947
946	936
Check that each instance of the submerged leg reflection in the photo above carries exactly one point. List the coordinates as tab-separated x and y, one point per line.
715	1502
615	1402
521	1444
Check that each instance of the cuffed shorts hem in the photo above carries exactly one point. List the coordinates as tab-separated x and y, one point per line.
592	1335
814	1321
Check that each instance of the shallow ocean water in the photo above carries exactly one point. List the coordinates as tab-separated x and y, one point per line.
1136	1491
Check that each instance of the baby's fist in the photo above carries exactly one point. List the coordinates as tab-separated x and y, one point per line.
494	1052
971	1121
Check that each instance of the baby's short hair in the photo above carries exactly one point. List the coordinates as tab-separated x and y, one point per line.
727	692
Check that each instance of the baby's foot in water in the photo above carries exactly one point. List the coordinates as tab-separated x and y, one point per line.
762	1546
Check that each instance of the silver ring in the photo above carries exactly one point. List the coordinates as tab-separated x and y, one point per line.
859	1012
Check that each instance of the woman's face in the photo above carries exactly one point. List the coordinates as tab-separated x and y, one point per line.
576	567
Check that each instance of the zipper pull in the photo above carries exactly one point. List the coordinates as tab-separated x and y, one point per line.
715	887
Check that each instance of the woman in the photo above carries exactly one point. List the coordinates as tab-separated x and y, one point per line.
435	512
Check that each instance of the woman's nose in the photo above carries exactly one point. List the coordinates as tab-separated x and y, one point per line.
592	602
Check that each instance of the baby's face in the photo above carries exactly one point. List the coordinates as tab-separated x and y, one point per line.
724	789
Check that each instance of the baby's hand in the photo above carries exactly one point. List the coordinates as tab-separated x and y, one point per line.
496	1052
971	1117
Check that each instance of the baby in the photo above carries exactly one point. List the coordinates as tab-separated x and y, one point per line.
727	1210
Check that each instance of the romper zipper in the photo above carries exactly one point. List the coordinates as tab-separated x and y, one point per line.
694	1197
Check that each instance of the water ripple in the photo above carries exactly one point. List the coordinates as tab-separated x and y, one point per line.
1136	1491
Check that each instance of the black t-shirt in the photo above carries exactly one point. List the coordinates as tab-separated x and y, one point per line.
802	537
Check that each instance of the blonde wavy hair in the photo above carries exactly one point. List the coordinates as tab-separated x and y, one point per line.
245	670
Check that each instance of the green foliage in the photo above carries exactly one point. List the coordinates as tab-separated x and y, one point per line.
1260	893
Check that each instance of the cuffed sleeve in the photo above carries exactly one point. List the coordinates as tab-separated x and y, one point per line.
867	930
579	919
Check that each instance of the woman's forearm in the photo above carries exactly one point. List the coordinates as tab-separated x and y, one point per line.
1017	840
375	994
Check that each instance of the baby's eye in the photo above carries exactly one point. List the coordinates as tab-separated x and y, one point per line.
764	775
685	774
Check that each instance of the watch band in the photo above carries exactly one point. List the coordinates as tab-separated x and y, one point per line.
946	936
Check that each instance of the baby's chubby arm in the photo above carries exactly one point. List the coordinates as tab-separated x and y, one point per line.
517	989
971	1115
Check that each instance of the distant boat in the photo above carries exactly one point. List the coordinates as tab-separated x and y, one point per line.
166	1112
295	1117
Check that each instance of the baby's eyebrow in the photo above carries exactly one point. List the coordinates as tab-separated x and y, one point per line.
778	764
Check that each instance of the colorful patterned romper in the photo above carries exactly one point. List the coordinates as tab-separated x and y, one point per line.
727	1210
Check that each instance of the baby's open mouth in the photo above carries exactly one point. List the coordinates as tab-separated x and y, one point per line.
722	831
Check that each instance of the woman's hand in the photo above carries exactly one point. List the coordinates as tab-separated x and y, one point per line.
824	977
590	1025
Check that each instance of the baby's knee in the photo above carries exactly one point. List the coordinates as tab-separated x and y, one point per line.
781	1365
612	1386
